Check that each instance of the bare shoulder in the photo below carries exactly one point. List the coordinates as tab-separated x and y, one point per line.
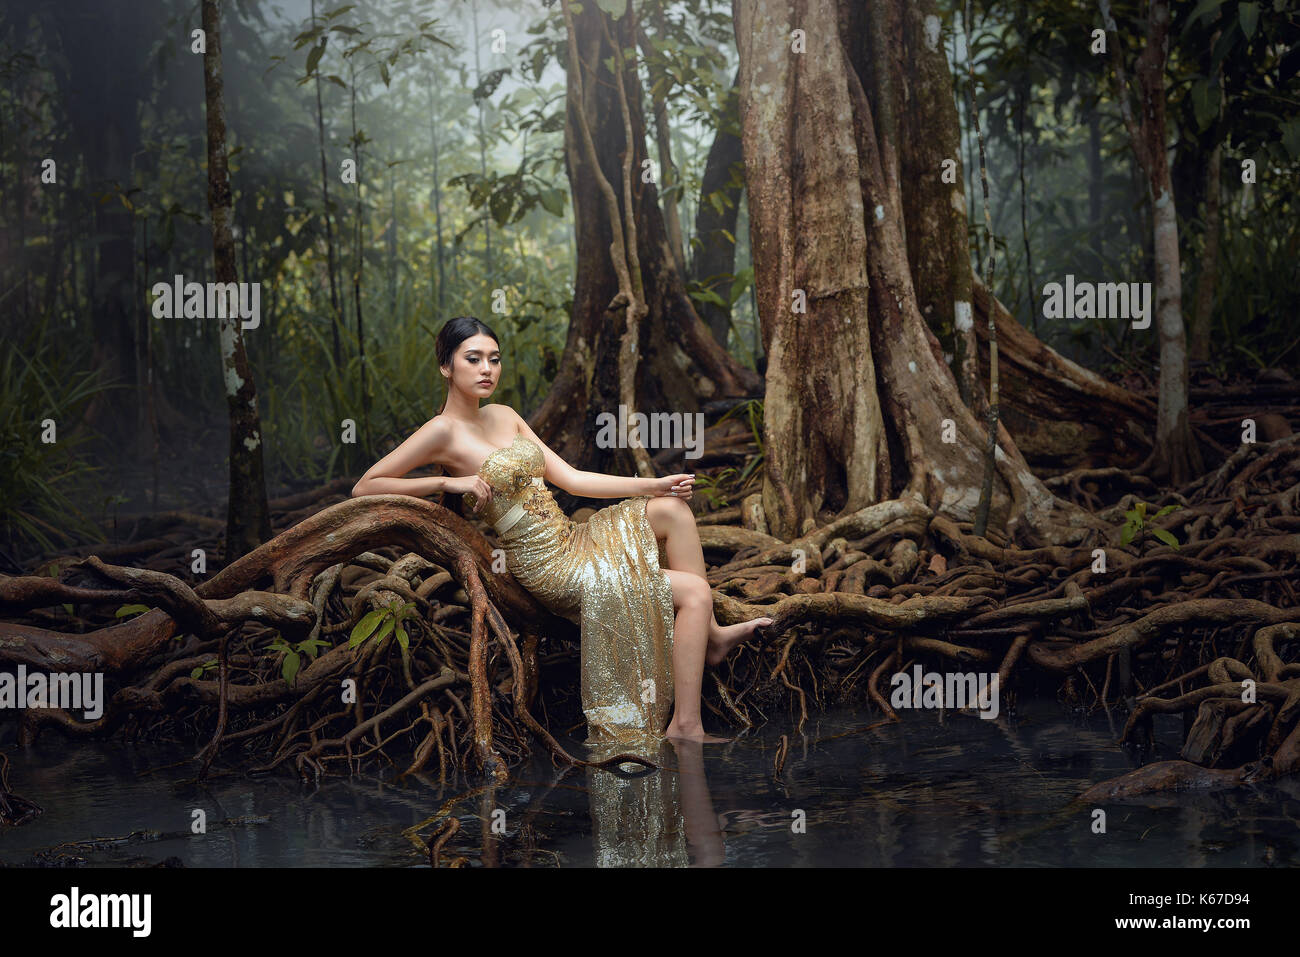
435	437
504	415
437	431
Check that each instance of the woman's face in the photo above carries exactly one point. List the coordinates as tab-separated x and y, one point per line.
478	358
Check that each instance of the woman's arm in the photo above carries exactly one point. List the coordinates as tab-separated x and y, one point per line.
422	448
582	483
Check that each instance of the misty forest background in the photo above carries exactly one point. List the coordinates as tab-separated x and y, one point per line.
462	205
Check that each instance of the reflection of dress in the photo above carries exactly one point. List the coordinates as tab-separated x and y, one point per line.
638	821
603	574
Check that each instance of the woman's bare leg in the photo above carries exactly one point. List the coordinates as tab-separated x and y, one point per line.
674	524
693	598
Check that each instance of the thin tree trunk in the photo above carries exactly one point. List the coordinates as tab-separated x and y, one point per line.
1175	456
1021	100
482	147
659	91
990	450
248	520
716	254
336	316
391	244
1095	171
437	204
150	400
359	220
1209	272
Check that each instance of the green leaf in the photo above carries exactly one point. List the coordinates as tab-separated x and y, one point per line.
131	610
708	295
615	8
1134	516
290	669
402	638
384	631
314	56
1165	537
197	673
1249	14
1141	509
366	626
67	606
1291	137
552	201
1167	509
311	646
1202	8
1205	102
1127	535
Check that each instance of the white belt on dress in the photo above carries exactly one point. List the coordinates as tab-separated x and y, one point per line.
508	520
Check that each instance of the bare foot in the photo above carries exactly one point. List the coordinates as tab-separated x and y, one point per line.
692	733
726	637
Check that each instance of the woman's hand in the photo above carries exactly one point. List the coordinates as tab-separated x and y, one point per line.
471	485
680	485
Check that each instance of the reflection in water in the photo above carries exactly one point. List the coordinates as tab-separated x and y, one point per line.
931	790
636	818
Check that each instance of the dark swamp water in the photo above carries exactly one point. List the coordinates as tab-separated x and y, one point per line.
929	791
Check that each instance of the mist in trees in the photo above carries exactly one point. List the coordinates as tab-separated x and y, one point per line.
393	164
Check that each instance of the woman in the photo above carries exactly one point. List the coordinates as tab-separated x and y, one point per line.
604	574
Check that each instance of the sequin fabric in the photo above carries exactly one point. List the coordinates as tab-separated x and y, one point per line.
605	575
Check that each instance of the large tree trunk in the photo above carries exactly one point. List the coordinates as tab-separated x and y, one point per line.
824	431
859	399
248	520
1176	456
937	247
679	364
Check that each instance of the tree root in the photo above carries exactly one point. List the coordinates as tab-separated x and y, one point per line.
853	600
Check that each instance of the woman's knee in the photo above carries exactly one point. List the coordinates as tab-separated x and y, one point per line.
690	590
664	510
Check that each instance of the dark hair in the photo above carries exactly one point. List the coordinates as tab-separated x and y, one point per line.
453	332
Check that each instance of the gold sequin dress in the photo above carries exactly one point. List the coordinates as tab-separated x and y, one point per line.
603	574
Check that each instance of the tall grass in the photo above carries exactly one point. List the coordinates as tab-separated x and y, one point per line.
43	484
